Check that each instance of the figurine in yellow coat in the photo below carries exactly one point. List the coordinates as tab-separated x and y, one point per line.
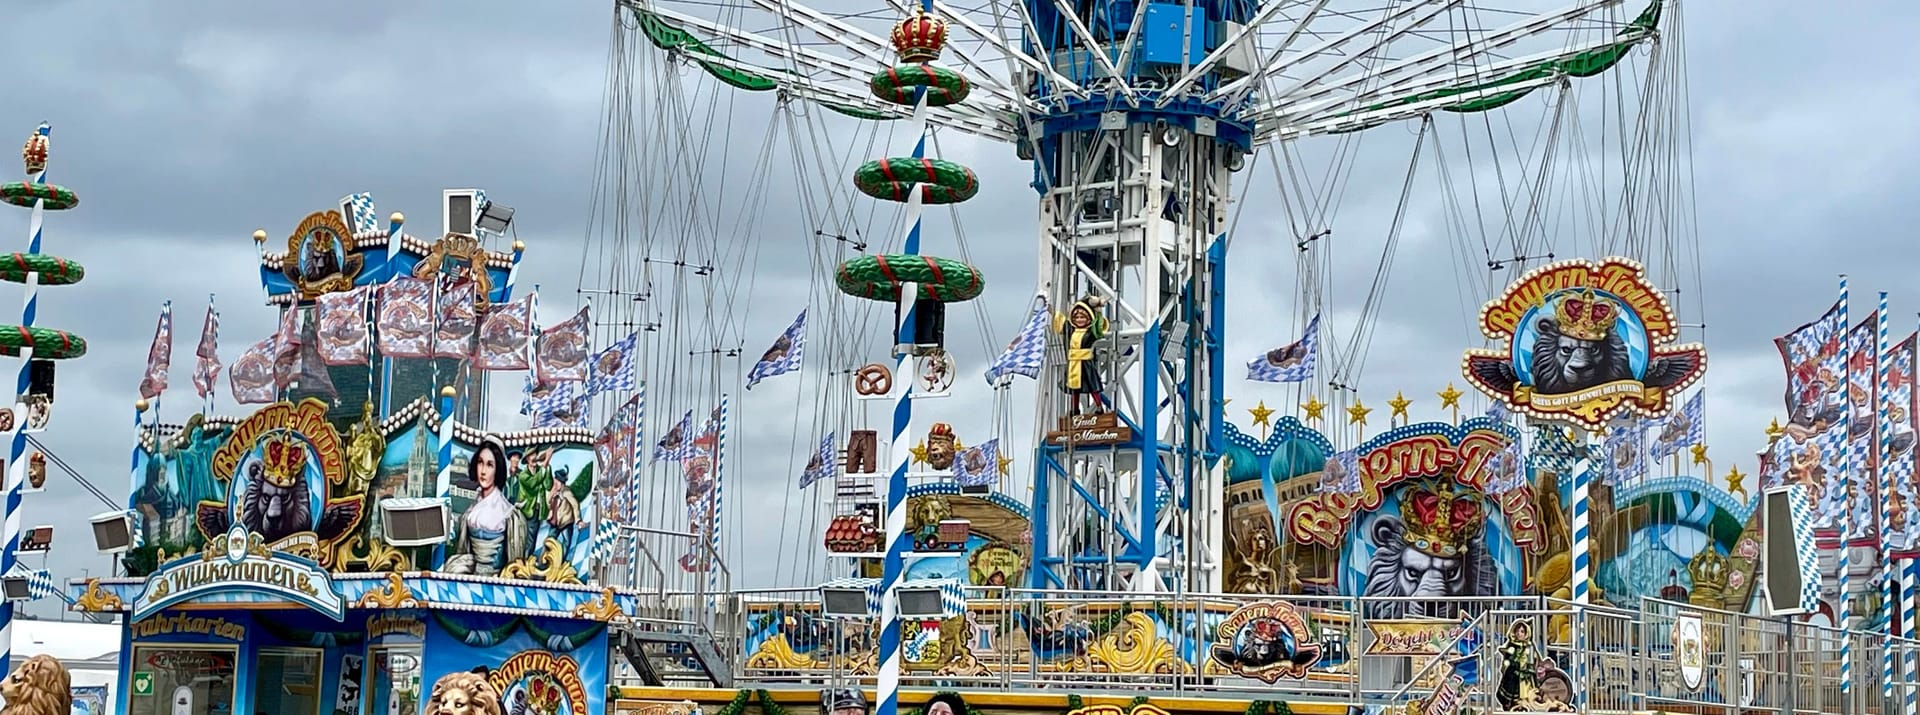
1080	328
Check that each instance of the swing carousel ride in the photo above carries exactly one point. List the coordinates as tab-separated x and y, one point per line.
1089	528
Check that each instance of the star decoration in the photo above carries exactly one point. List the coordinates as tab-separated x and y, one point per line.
919	453
1357	414
1734	482
1399	404
1775	430
1005	463
1699	453
1314	407
1262	415
1450	397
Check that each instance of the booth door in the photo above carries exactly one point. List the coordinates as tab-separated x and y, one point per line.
170	679
393	680
286	681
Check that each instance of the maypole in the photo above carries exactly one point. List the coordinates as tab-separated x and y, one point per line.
1886	506
25	340
910	280
1845	607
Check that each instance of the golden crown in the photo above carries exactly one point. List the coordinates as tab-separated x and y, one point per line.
1586	315
283	461
920	37
34	154
1440	520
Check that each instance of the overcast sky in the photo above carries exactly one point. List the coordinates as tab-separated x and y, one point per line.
185	128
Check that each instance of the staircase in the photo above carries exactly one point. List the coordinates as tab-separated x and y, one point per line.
666	652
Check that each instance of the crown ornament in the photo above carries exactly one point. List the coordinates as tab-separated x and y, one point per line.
1441	520
1586	315
920	37
283	460
939	430
34	154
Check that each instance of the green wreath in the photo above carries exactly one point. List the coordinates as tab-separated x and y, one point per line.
941	182
21	193
880	277
54	271
46	342
896	84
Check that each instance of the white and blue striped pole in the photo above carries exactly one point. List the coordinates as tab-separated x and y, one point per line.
894	565
443	486
1885	478
1845	606
713	507
16	466
394	222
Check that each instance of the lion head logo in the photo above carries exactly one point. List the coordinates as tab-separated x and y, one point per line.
464	693
39	686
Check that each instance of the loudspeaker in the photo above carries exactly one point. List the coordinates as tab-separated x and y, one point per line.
40	378
112	531
920	603
843	602
16	588
414	522
862	444
1780	565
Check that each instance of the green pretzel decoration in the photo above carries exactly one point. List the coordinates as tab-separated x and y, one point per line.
880	277
896	84
941	182
54	271
20	193
46	342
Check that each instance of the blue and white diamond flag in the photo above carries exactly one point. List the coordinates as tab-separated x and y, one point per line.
1028	350
1292	362
784	356
979	465
360	216
1679	430
678	442
612	369
1341	474
820	465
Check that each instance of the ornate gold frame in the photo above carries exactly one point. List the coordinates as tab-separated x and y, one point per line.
454	245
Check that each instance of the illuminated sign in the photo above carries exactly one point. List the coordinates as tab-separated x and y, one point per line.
539	681
1412	453
1584	342
240	563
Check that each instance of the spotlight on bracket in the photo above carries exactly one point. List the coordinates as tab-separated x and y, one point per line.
112	531
1167	134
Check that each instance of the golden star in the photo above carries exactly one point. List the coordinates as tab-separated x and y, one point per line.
1262	415
1399	404
1734	482
919	452
1357	414
1775	430
1005	462
1450	397
1699	453
1314	407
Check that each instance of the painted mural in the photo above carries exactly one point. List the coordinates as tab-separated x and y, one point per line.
521	504
994	550
537	666
1676	539
1423	510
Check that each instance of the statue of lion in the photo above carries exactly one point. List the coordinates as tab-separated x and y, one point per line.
464	693
39	686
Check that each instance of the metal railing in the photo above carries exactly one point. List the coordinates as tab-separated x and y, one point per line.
1371	651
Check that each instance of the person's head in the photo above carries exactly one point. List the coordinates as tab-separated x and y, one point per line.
946	704
485	466
843	701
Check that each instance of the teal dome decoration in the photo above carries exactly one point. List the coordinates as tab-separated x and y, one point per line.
1296	457
1291	450
1245	467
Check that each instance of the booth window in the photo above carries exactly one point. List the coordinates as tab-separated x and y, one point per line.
286	681
187	679
393	680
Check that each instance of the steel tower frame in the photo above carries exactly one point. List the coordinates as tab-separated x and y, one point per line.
1135	113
